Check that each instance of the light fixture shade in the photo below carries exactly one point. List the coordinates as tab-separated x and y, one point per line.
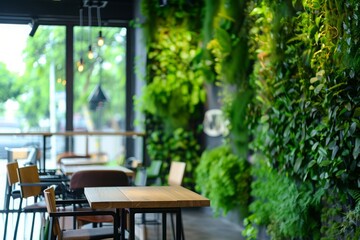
97	98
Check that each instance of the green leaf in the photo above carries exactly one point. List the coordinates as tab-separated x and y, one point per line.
356	150
325	163
298	164
311	163
340	172
313	80
324	175
352	128
335	150
357	112
322	151
224	40
318	89
314	146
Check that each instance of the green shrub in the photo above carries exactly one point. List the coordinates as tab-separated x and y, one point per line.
288	208
225	179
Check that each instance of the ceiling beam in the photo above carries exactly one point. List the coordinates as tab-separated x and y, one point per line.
61	12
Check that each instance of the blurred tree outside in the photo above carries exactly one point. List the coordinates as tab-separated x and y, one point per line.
44	59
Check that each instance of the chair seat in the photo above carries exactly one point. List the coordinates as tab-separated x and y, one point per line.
88	233
38	207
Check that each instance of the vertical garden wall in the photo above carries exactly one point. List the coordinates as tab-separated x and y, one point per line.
174	95
289	73
306	130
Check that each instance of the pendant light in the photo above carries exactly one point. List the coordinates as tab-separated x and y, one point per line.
100	41
90	52
80	63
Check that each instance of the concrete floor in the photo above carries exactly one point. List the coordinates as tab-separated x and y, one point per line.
198	224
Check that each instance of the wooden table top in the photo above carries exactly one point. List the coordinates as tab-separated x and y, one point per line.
83	161
144	197
69	170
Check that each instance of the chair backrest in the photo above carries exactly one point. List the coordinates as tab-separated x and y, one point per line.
140	177
17	153
29	174
49	194
12	173
33	156
98	178
176	174
154	169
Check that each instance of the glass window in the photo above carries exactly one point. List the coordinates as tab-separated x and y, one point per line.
32	81
99	85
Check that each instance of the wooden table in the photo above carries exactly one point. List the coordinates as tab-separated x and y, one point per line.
69	170
83	161
154	199
70	134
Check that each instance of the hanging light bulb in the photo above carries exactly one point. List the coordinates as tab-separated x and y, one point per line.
90	53
80	65
100	39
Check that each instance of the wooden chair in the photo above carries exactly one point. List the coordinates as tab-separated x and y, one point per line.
153	173
148	176
11	191
17	153
176	173
55	231
175	178
95	178
31	187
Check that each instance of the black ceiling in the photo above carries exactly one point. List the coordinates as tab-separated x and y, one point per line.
63	11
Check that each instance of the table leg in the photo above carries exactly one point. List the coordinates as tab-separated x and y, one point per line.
44	154
132	225
122	223
178	224
117	224
164	225
182	226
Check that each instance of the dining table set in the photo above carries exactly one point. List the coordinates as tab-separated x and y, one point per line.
129	200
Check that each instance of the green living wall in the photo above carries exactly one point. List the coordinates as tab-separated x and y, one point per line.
297	74
306	132
174	94
289	71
